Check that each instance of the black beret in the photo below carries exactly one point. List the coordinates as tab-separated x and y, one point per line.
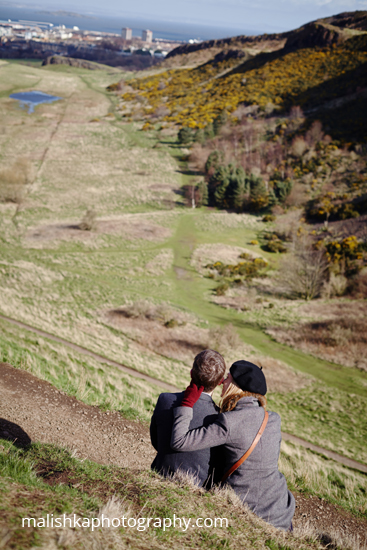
249	377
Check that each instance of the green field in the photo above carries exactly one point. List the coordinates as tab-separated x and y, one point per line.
147	247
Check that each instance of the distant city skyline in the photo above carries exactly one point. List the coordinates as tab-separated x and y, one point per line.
260	16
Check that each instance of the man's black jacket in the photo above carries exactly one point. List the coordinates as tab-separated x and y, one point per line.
205	465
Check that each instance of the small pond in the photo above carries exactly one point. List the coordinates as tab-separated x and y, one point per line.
32	99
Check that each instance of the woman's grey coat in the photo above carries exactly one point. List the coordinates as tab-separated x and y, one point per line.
257	481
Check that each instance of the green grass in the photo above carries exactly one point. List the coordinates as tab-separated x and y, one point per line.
89	380
326	417
312	474
31	488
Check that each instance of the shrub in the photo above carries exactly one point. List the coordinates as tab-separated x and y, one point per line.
335	286
199	136
248	269
185	135
357	286
269	218
171	323
13	180
221	289
219	121
275	245
223	339
347	254
305	270
259	197
89	221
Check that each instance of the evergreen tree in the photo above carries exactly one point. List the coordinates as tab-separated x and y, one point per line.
215	159
238	180
282	189
219	182
227	185
241	194
185	135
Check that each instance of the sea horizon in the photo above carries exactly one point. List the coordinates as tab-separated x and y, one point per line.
165	30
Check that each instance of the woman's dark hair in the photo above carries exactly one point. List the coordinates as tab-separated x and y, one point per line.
208	369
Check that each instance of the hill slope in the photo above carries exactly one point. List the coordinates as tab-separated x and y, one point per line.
311	66
108	438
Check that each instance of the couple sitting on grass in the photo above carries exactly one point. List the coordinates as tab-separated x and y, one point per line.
238	444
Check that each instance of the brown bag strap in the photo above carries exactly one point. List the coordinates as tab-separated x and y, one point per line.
247	453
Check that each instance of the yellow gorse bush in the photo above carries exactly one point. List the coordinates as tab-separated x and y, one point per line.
194	97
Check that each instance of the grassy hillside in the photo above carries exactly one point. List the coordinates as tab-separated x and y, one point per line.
97	246
307	77
134	287
31	487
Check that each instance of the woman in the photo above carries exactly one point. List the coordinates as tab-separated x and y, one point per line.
257	481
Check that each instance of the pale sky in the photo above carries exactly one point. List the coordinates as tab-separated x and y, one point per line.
264	15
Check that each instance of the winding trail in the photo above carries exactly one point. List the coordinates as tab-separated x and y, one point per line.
287	437
86	351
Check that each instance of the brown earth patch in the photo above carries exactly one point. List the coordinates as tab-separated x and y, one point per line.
180	342
328	519
325	310
342	340
129	229
184	341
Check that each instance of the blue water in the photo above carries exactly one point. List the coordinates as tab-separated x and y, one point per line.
32	99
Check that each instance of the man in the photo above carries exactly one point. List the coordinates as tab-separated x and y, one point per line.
207	371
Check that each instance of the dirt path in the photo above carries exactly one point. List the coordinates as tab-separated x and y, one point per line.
349	462
287	437
34	410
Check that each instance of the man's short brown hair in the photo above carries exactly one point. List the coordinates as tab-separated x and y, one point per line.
208	369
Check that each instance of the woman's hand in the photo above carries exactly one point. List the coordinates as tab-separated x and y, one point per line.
192	394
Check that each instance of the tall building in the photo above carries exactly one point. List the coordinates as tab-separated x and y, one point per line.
147	36
126	33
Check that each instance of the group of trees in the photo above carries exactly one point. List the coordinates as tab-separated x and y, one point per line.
229	186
